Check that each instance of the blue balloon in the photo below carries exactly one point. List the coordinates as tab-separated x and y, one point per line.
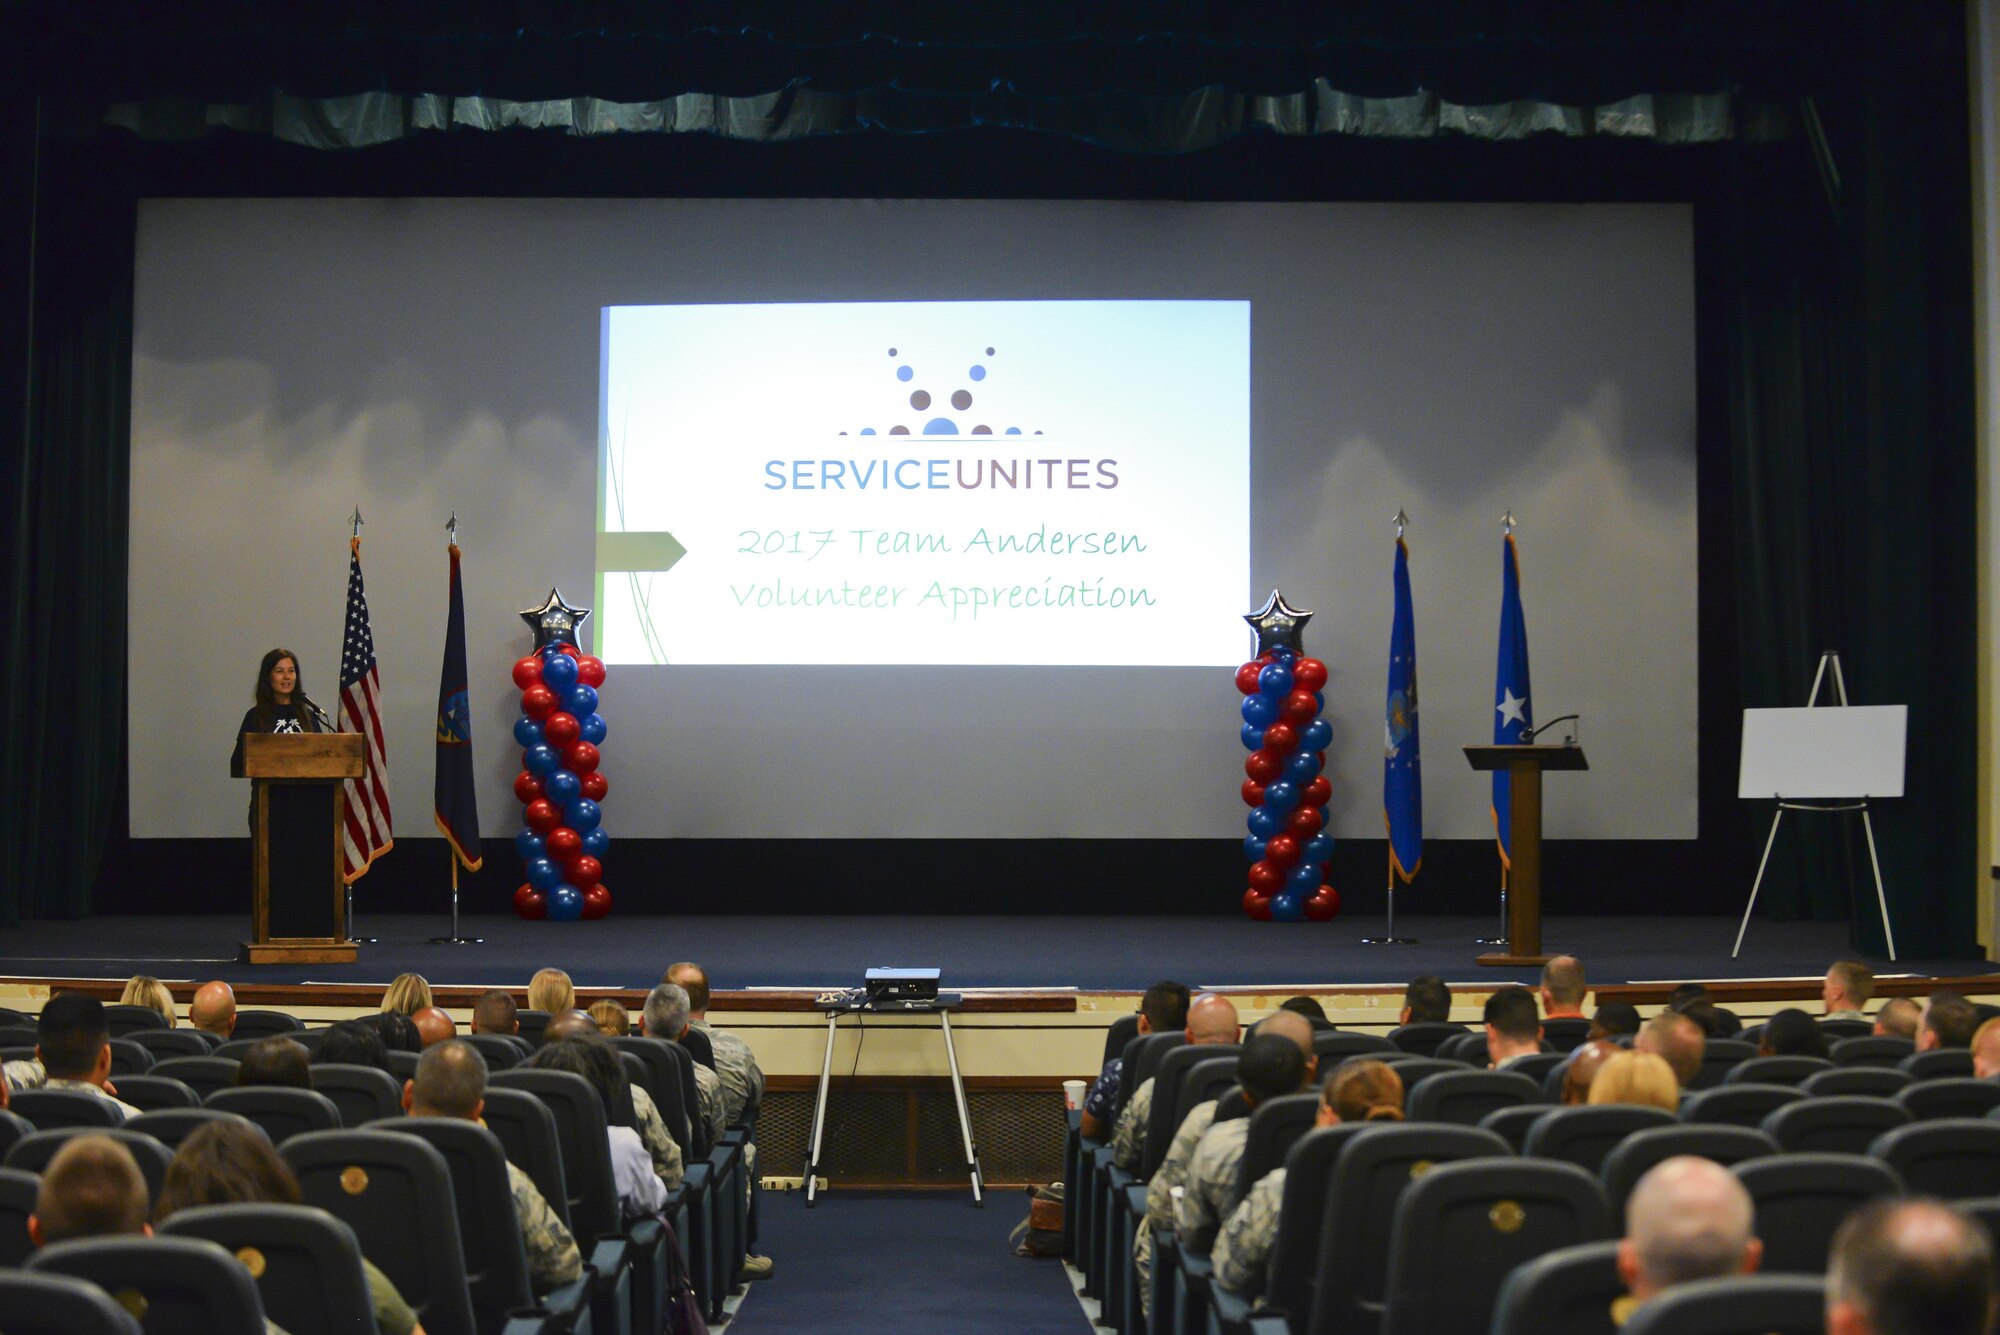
544	874
592	730
580	701
1275	679
565	904
1265	822
1280	796
558	671
1261	710
1253	736
530	846
1319	702
1253	849
1284	655
1302	766
1303	880
527	732
540	760
596	843
562	787
1319	848
582	815
1285	907
1317	736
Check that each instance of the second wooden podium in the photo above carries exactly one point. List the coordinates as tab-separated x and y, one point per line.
299	913
1524	766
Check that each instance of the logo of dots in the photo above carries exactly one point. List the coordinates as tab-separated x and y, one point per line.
920	401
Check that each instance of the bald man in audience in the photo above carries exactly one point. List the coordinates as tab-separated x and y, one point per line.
1687	1219
433	1025
1898	1018
1582	1068
1949	1022
92	1188
213	1010
1563	988
661	1147
1678	1040
451	1082
1899	1267
1211	1018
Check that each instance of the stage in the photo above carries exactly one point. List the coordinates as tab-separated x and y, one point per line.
1114	954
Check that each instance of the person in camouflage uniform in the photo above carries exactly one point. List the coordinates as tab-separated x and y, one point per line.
1360	1091
742	1086
1210	1019
1277	1061
666	1016
661	1147
1162	1010
72	1052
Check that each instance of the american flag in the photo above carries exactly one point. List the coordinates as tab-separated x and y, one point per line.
366	835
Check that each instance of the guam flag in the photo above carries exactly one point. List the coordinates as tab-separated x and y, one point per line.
1402	772
1512	713
457	804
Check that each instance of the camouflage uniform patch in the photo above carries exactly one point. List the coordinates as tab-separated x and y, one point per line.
661	1147
1128	1138
1242	1250
1211	1183
552	1255
742	1080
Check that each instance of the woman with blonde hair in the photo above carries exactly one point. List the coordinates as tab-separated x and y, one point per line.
613	1020
551	991
148	991
407	995
1642	1078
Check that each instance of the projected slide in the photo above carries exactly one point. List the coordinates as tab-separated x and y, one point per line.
1018	482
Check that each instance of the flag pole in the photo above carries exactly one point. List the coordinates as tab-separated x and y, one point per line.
1507	524
450	852
354	539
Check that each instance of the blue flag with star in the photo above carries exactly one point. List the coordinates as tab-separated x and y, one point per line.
457	805
1512	713
1402	773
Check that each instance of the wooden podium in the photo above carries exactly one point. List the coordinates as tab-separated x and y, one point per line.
298	915
1524	766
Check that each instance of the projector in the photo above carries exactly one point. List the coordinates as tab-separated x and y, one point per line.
901	984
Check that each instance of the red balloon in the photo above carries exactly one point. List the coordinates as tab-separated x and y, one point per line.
538	702
595	786
563	844
1253	793
527	787
1300	708
1318	792
1280	739
596	902
1266	879
1309	674
560	729
1263	766
542	815
1324	904
527	672
572	651
580	758
1281	851
584	871
531	903
1304	823
1246	677
1257	906
590	671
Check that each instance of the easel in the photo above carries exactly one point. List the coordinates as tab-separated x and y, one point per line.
1828	659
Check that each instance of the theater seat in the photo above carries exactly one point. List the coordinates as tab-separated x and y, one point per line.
122	1021
1423	1037
147	1092
1719	1056
50	1109
255	1024
1950	1096
283	1112
1776	1070
1635	1155
1512	1124
306	1262
362	1094
1938	1062
18	1189
51	1304
166	1043
1801	1199
1871	1050
1738	1105
1584	1135
32	1153
204	1075
1875	1082
1836	1124
1463	1097
1953	1159
171	1126
1565	1033
1777	1304
181	1284
1572	1290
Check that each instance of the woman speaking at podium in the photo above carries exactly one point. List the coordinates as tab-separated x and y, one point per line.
281	706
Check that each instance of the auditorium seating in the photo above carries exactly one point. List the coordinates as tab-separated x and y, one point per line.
1630	1159
32	1153
1423	1037
181	1284
1466	1096
1738	1105
1773	1304
1718	1057
204	1075
305	1261
1874	1081
500	1050
1938	1062
49	1109
1565	1033
1572	1289
123	1021
1953	1158
1871	1050
282	1112
18	1188
362	1094
147	1092
165	1043
1584	1135
1950	1096
256	1024
1801	1199
1512	1124
1334	1046
171	1126
1837	1124
128	1058
1776	1070
52	1304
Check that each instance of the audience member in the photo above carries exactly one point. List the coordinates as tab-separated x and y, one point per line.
72	1051
1426	1001
666	1017
645	1120
92	1188
213	1010
1360	1091
1792	1033
451	1082
1513	1027
1898	1018
495	1013
1563	988
231	1163
1582	1068
1849	984
407	994
1707	1017
1614	1019
1986	1050
433	1025
742	1078
1910	1267
148	991
1162	1009
612	1019
550	990
1679	1040
1949	1021
1687	1219
1278	1061
398	1031
1211	1018
1636	1077
1306	1006
1715	1022
640	1192
352	1043
276	1060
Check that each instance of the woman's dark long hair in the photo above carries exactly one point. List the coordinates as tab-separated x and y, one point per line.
226	1163
593	1058
267	703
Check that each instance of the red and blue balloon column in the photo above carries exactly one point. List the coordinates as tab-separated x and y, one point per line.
1288	846
563	843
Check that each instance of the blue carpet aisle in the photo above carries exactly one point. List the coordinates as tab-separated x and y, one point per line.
904	1263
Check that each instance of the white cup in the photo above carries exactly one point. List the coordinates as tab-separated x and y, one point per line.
1073	1093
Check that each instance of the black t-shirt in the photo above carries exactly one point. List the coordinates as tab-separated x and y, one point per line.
284	718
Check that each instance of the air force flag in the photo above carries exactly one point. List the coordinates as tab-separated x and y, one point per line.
1512	714
456	804
1402	771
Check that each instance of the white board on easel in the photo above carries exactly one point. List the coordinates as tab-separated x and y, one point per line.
1847	751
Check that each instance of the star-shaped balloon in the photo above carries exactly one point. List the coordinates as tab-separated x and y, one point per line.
1279	625
555	622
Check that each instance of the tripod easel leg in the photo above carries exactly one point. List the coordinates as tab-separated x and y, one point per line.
1881	899
1757	884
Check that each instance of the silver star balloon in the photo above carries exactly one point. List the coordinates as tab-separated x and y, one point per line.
555	622
1279	625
